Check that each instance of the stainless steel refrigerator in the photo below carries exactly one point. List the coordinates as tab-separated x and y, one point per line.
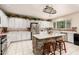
34	29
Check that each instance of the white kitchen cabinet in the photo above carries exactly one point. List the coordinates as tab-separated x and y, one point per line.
14	36
21	23
3	19
24	23
11	37
8	38
18	35
23	33
27	23
70	37
17	23
11	23
26	35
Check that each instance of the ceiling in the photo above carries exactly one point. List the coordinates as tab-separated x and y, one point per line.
36	10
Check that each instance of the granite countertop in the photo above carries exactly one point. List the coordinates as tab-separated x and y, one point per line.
44	36
68	31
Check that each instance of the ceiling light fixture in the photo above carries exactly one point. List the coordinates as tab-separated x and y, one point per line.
49	10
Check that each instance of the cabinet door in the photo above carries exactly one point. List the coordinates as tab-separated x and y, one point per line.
23	35
71	37
14	36
27	23
17	23
23	23
8	39
18	35
26	35
11	23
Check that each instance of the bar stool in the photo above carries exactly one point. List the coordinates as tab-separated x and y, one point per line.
49	48
60	43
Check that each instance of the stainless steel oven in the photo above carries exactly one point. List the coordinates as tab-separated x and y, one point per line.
3	44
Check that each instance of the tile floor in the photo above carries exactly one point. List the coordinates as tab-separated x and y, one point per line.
25	48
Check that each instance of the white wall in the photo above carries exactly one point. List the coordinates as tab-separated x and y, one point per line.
74	20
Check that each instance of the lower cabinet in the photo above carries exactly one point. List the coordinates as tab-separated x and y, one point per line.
26	35
18	36
70	37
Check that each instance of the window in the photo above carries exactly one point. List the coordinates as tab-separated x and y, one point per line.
62	24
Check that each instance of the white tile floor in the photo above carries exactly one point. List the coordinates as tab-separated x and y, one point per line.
25	48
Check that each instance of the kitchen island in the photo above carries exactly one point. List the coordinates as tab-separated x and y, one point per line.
39	39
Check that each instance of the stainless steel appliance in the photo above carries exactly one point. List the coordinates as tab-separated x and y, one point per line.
34	28
3	44
3	40
76	39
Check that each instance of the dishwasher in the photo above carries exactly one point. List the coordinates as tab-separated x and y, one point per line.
76	39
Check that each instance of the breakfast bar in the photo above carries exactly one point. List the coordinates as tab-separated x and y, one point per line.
39	40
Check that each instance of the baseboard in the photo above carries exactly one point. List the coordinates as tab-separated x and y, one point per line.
20	40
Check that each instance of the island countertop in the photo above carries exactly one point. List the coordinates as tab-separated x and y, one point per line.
44	36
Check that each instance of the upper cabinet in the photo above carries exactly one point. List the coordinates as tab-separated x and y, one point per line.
28	23
19	23
3	19
11	23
